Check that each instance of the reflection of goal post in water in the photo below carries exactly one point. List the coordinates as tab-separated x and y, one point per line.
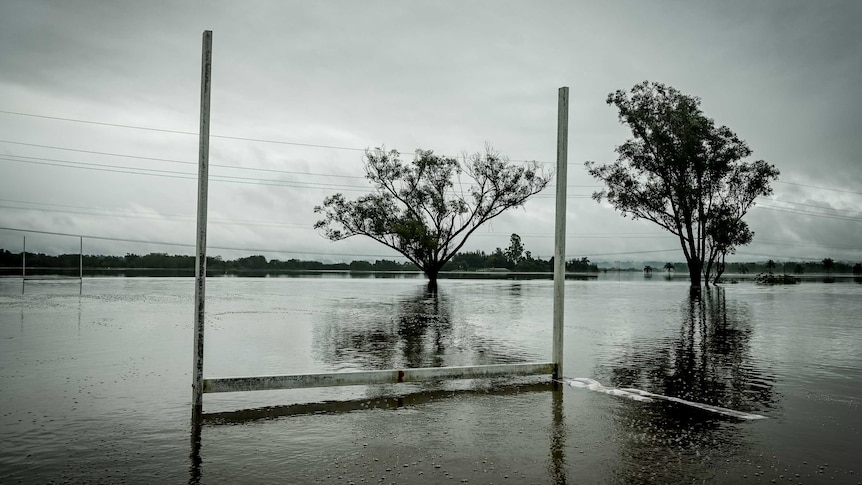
389	376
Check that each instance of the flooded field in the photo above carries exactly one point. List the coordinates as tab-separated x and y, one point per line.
95	388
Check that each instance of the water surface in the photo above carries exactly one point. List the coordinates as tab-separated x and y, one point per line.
96	387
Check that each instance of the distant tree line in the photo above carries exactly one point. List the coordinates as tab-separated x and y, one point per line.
180	262
827	265
513	258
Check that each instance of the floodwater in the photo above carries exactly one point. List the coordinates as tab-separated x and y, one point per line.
95	388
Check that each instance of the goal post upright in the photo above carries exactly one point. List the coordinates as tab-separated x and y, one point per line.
201	243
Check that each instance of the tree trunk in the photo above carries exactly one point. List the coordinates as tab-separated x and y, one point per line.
695	269
432	279
719	270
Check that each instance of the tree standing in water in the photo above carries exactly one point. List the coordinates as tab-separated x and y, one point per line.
423	209
683	173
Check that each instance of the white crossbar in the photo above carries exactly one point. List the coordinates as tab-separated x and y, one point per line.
389	376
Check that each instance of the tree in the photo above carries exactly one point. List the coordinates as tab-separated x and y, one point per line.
515	251
724	233
684	174
828	264
668	267
422	209
647	270
770	265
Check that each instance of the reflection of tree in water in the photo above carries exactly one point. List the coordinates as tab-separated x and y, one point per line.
428	314
710	362
415	331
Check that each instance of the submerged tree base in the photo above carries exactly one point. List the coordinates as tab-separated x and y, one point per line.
774	279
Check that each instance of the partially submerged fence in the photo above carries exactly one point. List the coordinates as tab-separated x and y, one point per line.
389	376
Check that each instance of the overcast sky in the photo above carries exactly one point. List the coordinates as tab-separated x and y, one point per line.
447	76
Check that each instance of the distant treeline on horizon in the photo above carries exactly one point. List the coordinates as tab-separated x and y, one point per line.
466	261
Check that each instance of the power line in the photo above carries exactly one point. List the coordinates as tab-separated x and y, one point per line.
807	213
311	145
789	243
178	244
773	256
276	251
144	215
168	160
234	167
175	174
190	176
67	209
635	252
228	137
817	187
177	132
809	205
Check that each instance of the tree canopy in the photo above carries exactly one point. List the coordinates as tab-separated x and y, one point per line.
425	209
685	174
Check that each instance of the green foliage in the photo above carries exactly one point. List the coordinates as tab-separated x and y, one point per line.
463	261
422	209
186	264
478	260
515	251
582	265
683	173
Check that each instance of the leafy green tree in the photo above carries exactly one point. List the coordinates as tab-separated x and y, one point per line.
724	233
828	264
360	265
422	209
497	259
252	262
582	265
669	267
515	251
770	265
683	173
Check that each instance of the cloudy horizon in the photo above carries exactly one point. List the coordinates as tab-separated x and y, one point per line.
99	106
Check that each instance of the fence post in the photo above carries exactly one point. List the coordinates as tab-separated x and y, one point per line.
560	229
201	245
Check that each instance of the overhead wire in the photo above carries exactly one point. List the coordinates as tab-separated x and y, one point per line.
313	145
188	245
818	187
104	212
168	160
237	179
180	132
191	176
278	251
808	213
